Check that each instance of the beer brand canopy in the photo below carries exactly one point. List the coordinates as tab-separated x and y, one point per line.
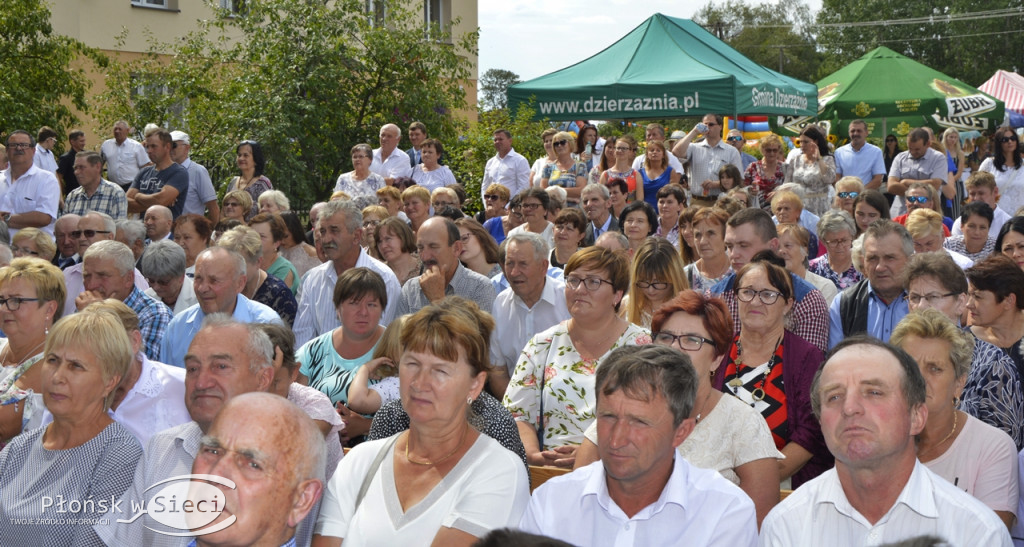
664	68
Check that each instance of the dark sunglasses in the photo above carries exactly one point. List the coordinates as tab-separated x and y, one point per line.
88	233
562	142
491	197
917	199
1007	139
847	195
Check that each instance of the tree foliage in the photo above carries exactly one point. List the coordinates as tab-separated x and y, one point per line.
38	80
494	85
970	50
759	32
307	79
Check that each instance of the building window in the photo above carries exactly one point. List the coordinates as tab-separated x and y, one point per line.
375	12
436	16
157	4
235	7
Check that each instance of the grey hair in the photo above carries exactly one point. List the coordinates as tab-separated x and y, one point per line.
640	372
277	197
244	241
794	187
163	260
109	224
258	347
617	236
595	187
392	126
557	192
540	245
134	230
234	256
885	227
834	221
6	256
108	249
353	215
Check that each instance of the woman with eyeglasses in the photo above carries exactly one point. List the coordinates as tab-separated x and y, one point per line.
251	163
372	217
922	195
847	190
551	394
1008	168
32	297
565	171
193	233
837	231
607	160
537	171
889	153
430	174
656	276
236	206
730	437
767	173
625	153
33	242
770	369
508	219
814	169
994	387
495	199
360	181
479	251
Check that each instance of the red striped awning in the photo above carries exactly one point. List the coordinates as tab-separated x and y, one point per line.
1007	87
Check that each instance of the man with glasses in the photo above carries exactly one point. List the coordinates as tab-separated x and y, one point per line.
507	167
32	195
594	199
859	158
95	193
388	161
92	227
655	132
876	303
735	139
163	183
202	197
124	156
705	158
918	163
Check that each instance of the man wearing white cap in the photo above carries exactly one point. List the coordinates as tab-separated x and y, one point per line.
201	198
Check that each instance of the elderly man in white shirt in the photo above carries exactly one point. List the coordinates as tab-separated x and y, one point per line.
705	158
124	156
533	303
643	492
388	161
508	167
870	399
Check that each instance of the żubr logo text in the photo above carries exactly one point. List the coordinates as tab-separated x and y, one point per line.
186	502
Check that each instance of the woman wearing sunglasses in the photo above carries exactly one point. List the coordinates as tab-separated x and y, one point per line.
1006	165
922	195
889	152
566	171
847	190
771	369
767	173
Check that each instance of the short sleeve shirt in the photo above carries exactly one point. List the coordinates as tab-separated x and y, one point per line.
150	180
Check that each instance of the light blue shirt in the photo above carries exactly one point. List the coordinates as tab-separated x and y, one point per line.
863	164
185	325
882	317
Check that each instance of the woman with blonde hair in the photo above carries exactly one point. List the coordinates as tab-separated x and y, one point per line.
236	206
376	381
565	171
953	190
273	201
656	277
33	242
537	171
847	190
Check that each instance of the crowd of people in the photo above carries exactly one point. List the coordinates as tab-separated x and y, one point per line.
817	345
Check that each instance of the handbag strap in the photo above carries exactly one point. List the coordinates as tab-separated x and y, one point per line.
384	450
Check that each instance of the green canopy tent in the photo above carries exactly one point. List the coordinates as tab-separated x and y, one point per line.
664	68
895	94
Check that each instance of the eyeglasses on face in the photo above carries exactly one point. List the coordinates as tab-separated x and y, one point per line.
19	145
531	206
88	233
20	251
688	342
591	283
735	138
232	204
768	297
656	285
491	197
14	302
838	242
163	282
848	195
917	199
623	149
931	298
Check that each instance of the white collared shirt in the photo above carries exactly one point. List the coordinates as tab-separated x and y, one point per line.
123	160
36	190
696	507
397	164
186	297
316	314
818	513
44	159
515	324
512	172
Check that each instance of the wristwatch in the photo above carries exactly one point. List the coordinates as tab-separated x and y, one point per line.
6	218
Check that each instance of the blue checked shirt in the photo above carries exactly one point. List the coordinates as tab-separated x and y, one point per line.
154	316
108	198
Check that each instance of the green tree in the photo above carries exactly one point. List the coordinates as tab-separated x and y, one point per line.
493	86
970	49
777	35
307	79
39	78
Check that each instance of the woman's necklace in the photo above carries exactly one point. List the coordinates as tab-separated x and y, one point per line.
702	405
758	394
944	439
449	455
19	361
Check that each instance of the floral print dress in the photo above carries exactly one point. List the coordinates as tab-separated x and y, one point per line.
552	380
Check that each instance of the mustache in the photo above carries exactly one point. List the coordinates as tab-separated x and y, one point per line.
326	246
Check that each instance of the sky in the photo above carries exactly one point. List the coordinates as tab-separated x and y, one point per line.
535	37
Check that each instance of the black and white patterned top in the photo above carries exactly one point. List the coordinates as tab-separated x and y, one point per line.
99	470
488	416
